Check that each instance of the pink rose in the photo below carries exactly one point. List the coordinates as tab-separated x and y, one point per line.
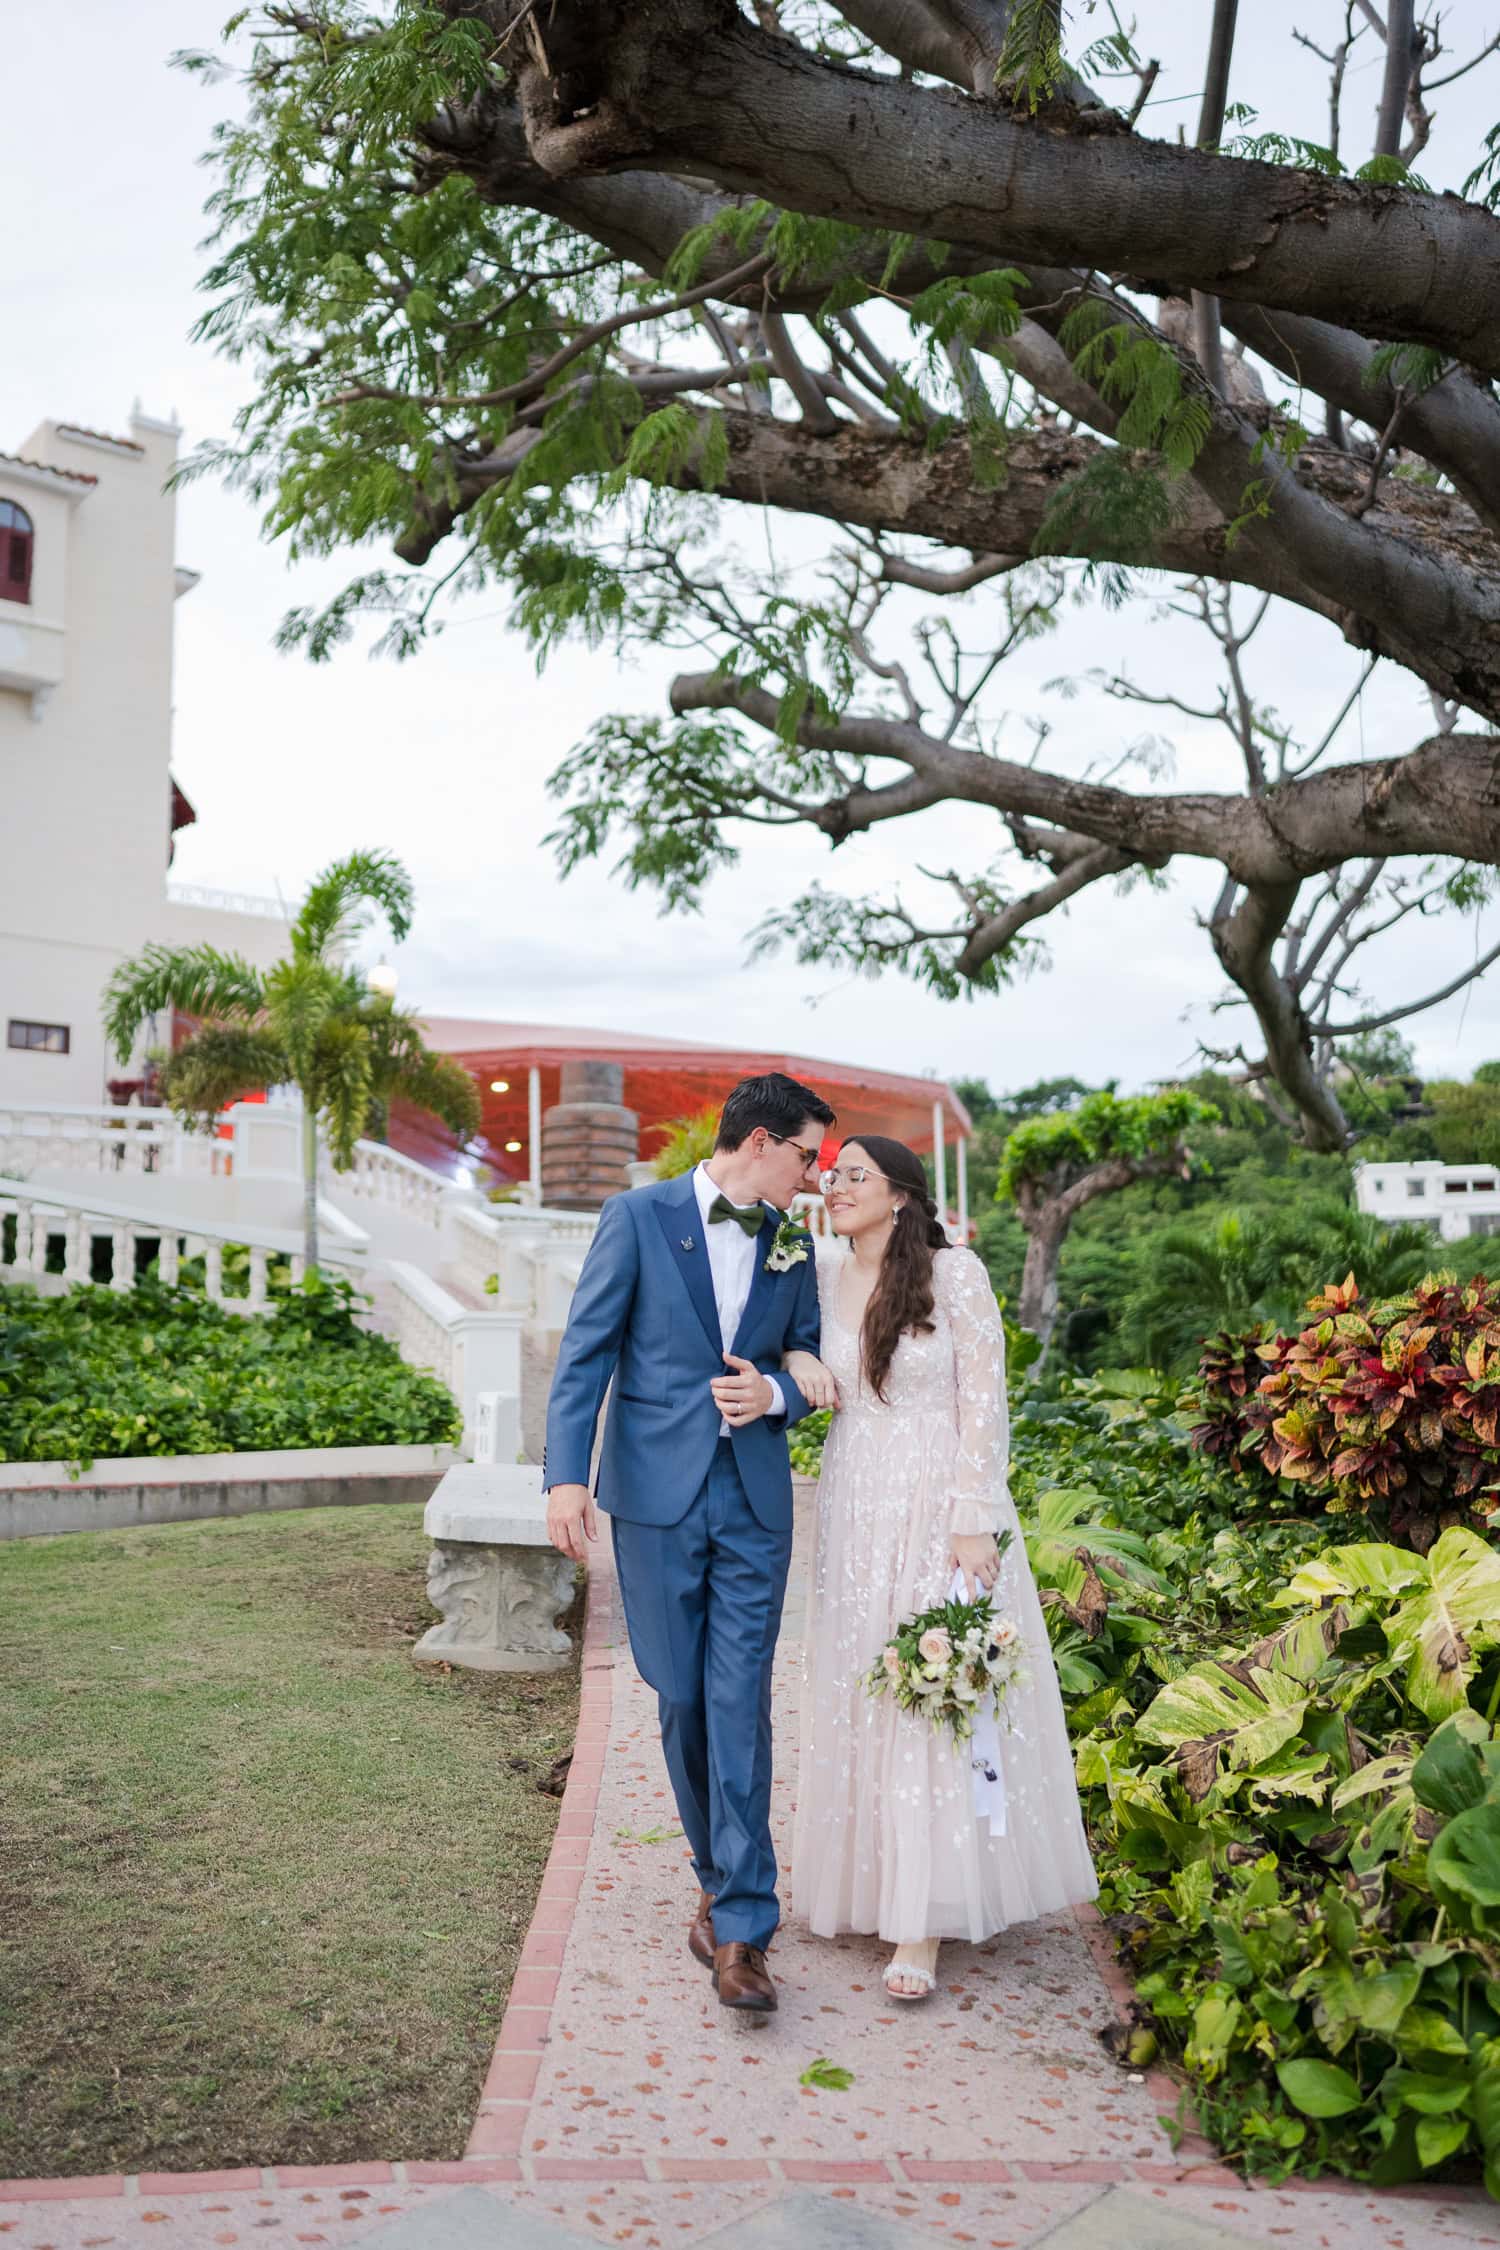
935	1647
892	1662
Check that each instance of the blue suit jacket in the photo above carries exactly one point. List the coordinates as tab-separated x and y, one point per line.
644	1313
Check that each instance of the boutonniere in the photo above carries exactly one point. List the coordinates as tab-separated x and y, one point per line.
789	1247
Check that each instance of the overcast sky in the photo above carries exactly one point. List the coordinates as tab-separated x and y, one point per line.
445	758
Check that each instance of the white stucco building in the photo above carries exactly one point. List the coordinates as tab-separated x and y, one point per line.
1455	1200
88	583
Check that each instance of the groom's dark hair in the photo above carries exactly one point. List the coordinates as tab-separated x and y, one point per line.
776	1102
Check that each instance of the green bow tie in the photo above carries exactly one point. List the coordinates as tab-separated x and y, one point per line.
751	1219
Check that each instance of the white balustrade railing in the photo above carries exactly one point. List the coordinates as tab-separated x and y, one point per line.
33	1220
383	1175
228	902
115	1142
526	1257
473	1352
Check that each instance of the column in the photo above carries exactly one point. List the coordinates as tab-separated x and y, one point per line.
963	1187
535	1130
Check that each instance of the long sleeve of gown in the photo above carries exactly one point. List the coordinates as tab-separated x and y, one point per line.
980	1470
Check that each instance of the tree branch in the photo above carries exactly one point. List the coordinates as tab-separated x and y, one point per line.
690	87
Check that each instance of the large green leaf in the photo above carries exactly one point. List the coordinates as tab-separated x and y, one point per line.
1392	1771
1344	2003
1318	2089
1463	1865
1438	2137
1441	1628
1067	1518
1210	1713
1452	1773
1486	2101
1363	1567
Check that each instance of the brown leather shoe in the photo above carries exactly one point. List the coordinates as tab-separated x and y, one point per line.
701	1939
741	1978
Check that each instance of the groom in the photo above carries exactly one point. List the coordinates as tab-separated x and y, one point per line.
691	1291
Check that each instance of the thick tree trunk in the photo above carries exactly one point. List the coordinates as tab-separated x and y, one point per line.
689	86
1244	941
1037	1309
309	1185
1047	1208
1416	578
1441	799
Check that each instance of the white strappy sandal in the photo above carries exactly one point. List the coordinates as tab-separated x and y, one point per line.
910	1972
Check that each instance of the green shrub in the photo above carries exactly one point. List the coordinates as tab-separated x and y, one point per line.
1299	1849
1287	1754
1390	1410
162	1371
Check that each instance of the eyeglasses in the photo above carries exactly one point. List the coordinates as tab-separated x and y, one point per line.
855	1174
809	1156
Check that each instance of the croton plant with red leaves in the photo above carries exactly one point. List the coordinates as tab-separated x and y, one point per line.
1391	1409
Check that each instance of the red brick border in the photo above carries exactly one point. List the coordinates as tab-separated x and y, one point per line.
500	2126
499	2132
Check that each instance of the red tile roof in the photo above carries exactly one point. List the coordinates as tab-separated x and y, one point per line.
81	429
76	475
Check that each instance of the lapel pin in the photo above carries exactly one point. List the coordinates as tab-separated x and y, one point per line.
687	1242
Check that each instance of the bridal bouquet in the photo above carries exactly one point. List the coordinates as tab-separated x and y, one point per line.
952	1663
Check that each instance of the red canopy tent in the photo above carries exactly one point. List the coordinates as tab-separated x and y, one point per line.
665	1079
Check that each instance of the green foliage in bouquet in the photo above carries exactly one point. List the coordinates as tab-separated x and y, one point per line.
950	1660
1389	1410
161	1371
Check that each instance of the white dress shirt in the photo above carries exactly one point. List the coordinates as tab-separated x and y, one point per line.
731	1264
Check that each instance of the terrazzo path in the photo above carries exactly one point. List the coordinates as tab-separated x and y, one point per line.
623	2105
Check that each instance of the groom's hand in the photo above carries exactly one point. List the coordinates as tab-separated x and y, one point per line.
743	1396
571	1519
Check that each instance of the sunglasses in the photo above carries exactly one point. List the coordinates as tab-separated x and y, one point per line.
809	1156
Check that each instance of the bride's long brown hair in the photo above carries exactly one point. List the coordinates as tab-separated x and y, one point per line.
901	1301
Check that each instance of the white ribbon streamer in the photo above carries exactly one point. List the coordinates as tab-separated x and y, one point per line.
984	1745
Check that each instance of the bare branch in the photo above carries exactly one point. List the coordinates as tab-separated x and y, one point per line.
1410	1007
630	316
789	367
1210	132
1402	50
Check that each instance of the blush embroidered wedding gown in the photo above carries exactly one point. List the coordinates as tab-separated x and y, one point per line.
885	1838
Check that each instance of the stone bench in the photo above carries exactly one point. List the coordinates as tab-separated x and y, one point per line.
493	1575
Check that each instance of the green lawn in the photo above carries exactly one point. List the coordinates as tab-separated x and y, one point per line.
263	1880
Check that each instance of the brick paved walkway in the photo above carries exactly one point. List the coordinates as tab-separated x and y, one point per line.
624	2106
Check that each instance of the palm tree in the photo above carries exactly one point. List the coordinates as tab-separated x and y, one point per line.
309	1022
1249	1267
1200	1279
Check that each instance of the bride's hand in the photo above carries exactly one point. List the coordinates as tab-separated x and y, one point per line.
978	1557
811	1378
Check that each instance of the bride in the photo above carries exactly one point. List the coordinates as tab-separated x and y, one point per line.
913	1487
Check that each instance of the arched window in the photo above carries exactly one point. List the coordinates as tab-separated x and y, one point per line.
16	540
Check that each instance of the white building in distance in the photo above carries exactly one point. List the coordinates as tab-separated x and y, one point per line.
88	582
1455	1200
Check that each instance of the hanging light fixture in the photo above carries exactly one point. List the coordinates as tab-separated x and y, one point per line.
499	1085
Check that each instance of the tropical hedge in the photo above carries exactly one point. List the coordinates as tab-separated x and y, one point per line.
163	1371
1285	1740
1389	1410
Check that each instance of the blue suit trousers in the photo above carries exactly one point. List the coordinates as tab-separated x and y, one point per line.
703	1603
